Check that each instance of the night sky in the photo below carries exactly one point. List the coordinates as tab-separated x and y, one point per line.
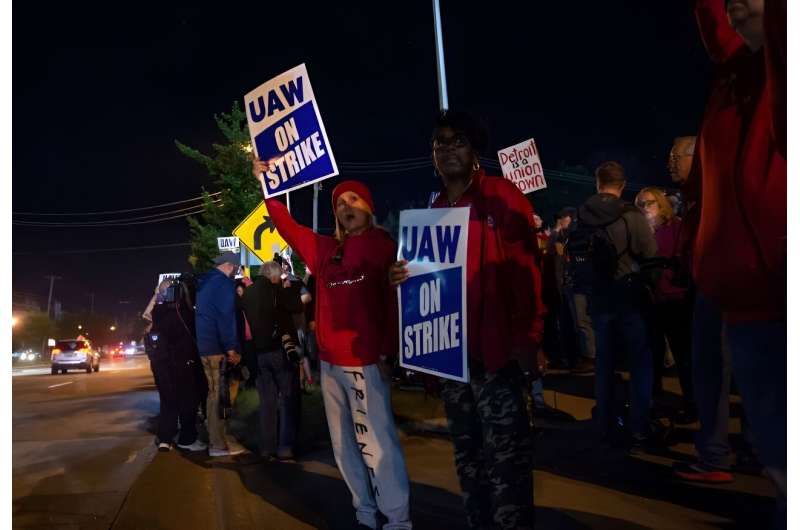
101	94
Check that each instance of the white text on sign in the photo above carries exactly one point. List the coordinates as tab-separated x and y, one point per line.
303	154
430	336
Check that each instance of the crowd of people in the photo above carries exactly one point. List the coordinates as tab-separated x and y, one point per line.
694	279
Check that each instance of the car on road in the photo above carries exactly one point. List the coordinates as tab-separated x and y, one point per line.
74	354
25	356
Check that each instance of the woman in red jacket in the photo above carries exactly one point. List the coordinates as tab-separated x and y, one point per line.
487	416
356	312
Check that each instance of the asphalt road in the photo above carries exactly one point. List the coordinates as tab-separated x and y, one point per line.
79	441
83	457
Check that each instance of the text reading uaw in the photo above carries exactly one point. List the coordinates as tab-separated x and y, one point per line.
438	330
296	153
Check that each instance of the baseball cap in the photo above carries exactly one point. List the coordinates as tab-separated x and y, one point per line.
228	257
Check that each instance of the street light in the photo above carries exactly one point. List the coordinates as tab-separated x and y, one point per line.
80	327
113	328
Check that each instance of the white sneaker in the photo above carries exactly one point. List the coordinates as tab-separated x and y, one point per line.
218	452
197	445
164	447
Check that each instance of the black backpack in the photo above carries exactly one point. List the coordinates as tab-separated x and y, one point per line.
590	254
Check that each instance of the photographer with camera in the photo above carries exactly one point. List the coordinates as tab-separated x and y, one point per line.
672	299
173	358
268	306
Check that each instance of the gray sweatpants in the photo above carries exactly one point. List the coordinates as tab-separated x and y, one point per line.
365	443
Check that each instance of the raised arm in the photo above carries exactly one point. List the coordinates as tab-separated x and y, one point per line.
310	245
775	60
719	38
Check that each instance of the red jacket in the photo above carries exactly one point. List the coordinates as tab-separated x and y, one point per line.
356	308
739	249
504	305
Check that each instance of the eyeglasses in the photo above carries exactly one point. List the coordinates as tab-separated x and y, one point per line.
675	158
645	204
456	141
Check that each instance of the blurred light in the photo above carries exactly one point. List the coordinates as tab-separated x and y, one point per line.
80	327
14	321
51	342
247	148
113	328
133	343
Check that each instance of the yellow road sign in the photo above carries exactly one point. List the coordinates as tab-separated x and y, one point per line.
258	233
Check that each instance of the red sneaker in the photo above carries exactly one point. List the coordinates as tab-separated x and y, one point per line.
700	472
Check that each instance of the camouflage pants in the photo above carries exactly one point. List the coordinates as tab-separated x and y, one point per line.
493	453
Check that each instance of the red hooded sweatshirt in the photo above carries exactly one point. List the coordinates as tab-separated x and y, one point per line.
504	305
356	307
739	250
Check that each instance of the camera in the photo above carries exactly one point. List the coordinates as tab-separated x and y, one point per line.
290	348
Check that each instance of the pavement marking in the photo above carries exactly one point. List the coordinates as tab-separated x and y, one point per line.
61	384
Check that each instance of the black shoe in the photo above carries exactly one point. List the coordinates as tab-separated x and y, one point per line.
649	443
550	414
558	364
686	415
584	366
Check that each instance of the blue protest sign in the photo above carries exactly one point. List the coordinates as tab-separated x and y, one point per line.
286	131
433	300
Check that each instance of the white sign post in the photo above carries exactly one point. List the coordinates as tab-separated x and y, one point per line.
433	300
287	132
521	165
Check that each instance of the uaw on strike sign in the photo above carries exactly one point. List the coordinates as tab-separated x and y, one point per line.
432	301
521	165
287	132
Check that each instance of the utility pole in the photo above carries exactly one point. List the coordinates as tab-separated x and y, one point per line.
437	29
315	218
50	295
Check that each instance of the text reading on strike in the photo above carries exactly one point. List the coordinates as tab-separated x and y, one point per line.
301	153
437	334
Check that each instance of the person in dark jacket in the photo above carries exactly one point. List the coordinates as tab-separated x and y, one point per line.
268	305
218	342
487	416
618	299
173	360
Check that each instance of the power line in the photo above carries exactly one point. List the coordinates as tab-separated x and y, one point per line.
101	225
111	222
95	250
116	211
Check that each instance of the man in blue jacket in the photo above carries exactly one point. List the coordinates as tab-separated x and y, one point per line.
215	317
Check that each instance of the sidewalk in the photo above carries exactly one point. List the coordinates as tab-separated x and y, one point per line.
576	486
